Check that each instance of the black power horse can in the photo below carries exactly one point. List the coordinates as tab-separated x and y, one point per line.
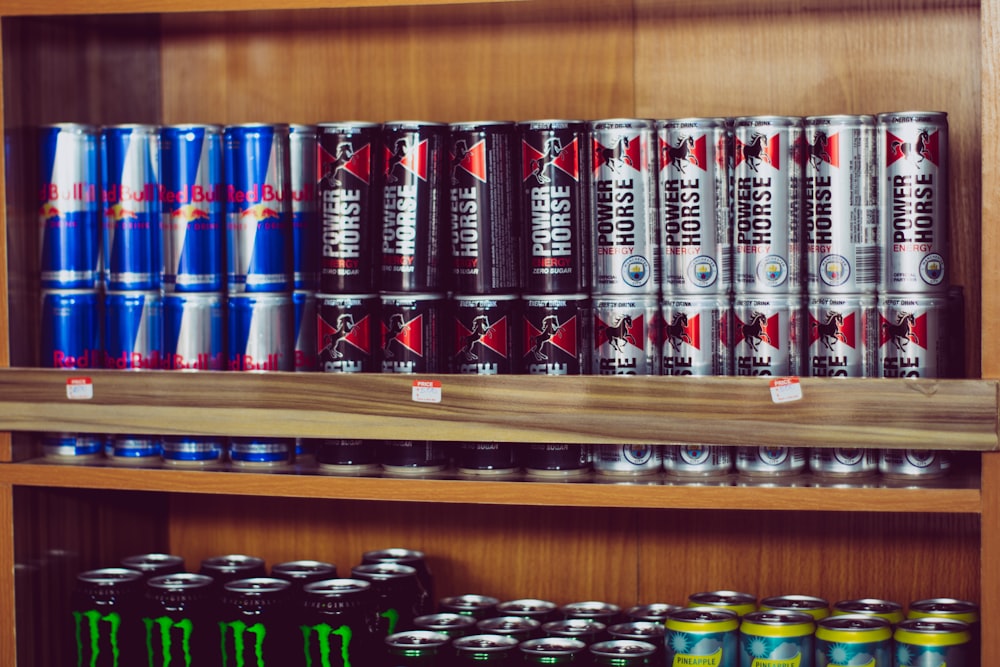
482	335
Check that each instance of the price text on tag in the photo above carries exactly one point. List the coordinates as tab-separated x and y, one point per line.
784	390
426	391
79	389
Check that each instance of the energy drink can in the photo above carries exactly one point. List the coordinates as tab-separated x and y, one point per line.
413	206
913	336
416	457
133	330
654	612
853	639
886	609
347	457
539	610
69	206
193	208
517	627
694	207
841	205
133	450
555	162
190	451
593	610
765	338
107	622
914	464
446	623
485	226
922	642
623	653
585	630
69	447
153	564
302	177
258	208
843	462
71	329
703	634
349	168
261	332
482	339
627	459
557	460
776	636
302	572
815	607
305	308
479	649
556	334
178	609
770	461
410	331
346	332
695	335
842	337
739	603
913	174
625	336
952	609
194	332
487	458
768	205
131	197
624	232
697	460
261	452
469	604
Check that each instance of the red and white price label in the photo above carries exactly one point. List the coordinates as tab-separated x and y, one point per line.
784	390
79	389
426	391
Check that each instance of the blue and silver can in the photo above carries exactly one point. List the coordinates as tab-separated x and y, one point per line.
133	324
70	447
193	332
192	451
69	206
262	452
305	207
192	198
261	332
139	450
71	329
306	351
703	636
258	208
776	637
131	198
853	639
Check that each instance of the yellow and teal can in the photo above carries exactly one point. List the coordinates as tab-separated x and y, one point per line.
816	607
777	638
932	642
702	636
853	640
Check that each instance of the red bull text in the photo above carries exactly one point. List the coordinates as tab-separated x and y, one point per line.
71	329
194	332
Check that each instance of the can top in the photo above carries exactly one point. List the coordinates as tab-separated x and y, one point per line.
333	588
755	121
139	128
871	606
187	127
623	647
180	582
853	626
257	126
348	125
638	630
507	624
232	563
303	569
590	609
778	623
484	643
383	571
301	128
961	609
552	646
394	125
866	120
932	632
108	577
794	602
573	627
912	116
654	611
526	605
469	601
698	618
154	562
444	620
80	128
723	598
395	554
417	639
677	123
257	586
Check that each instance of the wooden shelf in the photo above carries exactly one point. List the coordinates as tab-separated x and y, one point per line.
934	414
958	493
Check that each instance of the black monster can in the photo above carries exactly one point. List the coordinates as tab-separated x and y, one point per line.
556	334
348	158
481	334
413	206
485	250
409	333
346	328
554	163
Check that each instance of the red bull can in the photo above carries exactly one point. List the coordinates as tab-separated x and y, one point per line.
410	331
191	451
770	461
131	198
703	636
348	166
694	337
133	450
764	337
261	332
194	332
71	329
914	464
69	206
627	459
769	170
816	608
841	205
70	447
133	325
776	637
694	206
697	460
485	227
624	233
302	179
258	208
555	162
842	338
304	305
345	334
625	336
843	461
912	336
413	206
193	213
923	642
853	639
913	173
482	335
556	334
262	452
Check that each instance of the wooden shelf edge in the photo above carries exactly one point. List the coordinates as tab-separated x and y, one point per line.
930	414
736	494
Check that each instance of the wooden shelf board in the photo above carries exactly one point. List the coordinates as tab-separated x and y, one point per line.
929	414
956	494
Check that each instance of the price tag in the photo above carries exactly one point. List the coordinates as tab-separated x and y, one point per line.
426	391
79	389
784	390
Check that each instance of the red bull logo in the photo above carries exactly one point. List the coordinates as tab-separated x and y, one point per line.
257	193
52	192
187	214
470	160
261	215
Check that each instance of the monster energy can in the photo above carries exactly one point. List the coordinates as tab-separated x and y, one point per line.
413	558
648	632
485	649
154	564
703	635
622	653
447	623
594	610
586	630
302	572
552	651
776	637
624	241
254	622
107	626
399	595
339	624
469	604
231	567
178	619
853	639
539	610
415	648
518	627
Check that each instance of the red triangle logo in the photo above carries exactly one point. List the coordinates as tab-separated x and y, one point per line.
836	328
625	331
561	336
760	150
346	331
926	147
681	330
564	158
355	162
625	152
760	329
688	151
411	158
905	330
492	336
409	334
472	160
